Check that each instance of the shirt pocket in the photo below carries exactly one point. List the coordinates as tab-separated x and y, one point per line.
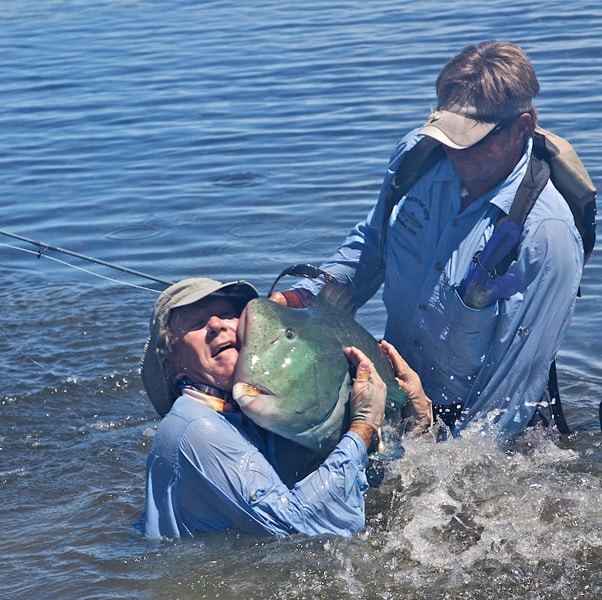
458	337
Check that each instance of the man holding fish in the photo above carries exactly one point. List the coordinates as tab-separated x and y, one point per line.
482	340
211	468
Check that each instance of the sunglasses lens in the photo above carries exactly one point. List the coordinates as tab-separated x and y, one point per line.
304	271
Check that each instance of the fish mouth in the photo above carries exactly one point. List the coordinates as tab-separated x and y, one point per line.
245	393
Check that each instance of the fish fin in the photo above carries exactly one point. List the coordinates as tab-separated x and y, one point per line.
336	294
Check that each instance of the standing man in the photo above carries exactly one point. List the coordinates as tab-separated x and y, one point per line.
481	343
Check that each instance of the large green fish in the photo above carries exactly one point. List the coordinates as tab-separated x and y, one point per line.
292	376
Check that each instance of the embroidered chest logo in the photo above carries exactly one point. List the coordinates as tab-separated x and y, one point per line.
413	214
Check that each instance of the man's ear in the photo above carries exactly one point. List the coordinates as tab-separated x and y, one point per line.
526	124
175	365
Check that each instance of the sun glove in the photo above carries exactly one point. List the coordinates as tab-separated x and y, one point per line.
367	400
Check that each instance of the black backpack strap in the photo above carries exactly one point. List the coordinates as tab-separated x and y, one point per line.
559	419
414	164
535	179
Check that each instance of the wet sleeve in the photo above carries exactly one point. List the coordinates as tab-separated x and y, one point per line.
329	500
224	482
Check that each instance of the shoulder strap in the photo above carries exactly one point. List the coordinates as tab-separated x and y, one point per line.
535	179
553	157
571	179
414	164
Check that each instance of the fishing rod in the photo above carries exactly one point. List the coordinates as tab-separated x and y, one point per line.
44	247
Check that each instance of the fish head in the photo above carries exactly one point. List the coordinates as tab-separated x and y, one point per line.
290	369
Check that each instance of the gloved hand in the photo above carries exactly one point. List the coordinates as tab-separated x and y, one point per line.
369	391
419	409
481	286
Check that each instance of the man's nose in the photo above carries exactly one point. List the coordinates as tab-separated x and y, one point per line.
216	324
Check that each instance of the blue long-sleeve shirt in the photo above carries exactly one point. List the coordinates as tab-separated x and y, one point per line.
494	361
211	471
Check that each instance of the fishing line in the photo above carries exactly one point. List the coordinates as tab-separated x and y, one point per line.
43	248
63	262
41	252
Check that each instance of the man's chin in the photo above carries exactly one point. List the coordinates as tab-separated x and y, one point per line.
223	368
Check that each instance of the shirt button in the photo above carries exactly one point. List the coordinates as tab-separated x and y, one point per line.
422	306
418	344
439	266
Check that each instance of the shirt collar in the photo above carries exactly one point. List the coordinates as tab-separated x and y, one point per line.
210	396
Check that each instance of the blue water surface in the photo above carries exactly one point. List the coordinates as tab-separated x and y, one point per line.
231	139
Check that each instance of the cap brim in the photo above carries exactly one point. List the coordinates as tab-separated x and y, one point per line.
161	390
455	130
192	290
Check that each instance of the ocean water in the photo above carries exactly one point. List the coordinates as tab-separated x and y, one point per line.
230	140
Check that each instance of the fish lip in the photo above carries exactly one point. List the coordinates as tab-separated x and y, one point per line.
261	391
241	390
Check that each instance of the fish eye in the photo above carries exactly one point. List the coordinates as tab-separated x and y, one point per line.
290	333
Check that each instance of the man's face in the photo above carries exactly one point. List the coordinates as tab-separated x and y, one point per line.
483	166
205	346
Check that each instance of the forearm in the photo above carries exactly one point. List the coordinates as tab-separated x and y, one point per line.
329	500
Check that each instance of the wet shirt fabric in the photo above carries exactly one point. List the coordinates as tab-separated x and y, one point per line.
494	361
211	471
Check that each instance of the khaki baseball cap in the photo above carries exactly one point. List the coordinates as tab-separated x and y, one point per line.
463	127
159	383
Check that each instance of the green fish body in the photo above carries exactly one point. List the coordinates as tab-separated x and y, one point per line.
292	376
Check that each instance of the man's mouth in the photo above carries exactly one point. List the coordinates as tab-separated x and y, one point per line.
223	348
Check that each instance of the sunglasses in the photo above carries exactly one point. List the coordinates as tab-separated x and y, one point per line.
307	271
494	132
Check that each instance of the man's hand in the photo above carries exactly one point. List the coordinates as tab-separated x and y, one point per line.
368	396
292	298
419	407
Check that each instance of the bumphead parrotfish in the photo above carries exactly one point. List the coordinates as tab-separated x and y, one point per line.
292	376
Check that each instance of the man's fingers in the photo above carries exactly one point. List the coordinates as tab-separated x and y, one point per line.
363	371
399	365
361	362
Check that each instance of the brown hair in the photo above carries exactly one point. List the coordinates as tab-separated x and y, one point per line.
495	78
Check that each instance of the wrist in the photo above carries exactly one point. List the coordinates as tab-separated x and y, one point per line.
365	431
299	298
